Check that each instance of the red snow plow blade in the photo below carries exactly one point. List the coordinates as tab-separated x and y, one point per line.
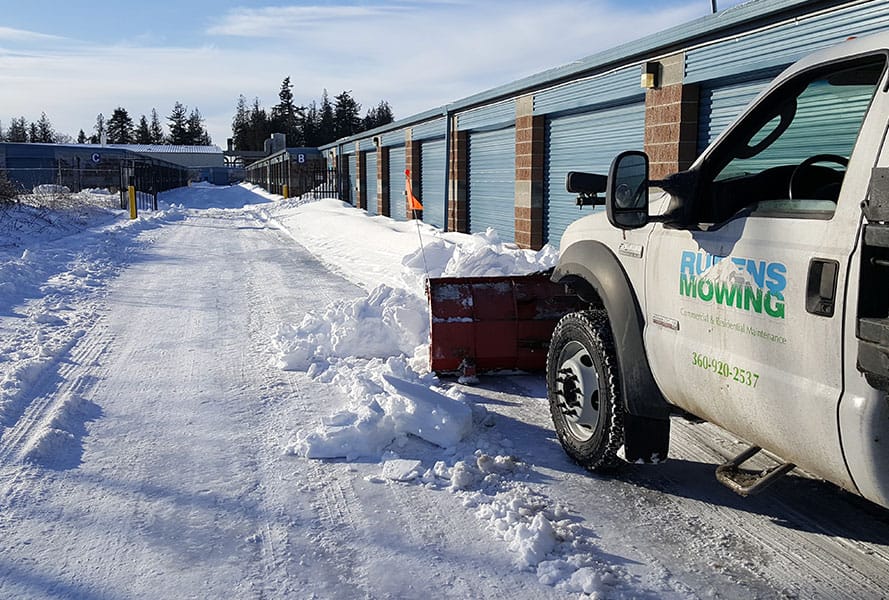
494	323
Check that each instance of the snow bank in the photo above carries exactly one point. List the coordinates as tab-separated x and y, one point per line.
389	322
356	343
376	349
388	401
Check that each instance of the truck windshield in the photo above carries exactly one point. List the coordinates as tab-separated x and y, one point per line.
790	153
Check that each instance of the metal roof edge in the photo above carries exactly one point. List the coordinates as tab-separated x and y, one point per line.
427	115
702	29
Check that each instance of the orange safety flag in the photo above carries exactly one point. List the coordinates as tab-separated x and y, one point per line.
411	199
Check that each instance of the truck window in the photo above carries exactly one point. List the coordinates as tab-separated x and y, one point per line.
788	156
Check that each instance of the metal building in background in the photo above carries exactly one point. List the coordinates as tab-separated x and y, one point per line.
498	158
78	167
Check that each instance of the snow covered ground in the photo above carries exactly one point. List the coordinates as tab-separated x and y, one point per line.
230	398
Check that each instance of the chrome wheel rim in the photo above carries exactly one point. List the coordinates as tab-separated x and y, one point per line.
577	388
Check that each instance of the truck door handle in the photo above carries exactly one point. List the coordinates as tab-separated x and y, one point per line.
821	287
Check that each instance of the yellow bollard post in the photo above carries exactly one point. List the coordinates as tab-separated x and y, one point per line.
131	191
286	191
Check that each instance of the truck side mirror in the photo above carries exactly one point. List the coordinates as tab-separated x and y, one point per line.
626	199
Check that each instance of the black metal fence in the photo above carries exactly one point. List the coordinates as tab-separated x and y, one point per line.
27	180
147	176
314	178
149	179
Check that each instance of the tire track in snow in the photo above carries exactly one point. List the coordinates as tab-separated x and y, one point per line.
57	395
434	523
276	553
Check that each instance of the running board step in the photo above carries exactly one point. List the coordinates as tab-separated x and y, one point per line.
747	482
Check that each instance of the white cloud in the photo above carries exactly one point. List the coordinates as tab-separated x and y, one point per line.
20	35
286	21
416	55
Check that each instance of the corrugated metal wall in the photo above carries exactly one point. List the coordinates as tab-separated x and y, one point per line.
584	142
370	181
826	121
432	182
350	179
719	104
721	67
730	72
491	188
618	87
429	129
397	204
782	45
488	117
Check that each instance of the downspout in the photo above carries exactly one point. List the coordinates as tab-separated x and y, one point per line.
447	173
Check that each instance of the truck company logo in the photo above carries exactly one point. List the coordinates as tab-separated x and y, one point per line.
742	283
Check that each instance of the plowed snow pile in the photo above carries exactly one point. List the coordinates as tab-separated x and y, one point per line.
376	349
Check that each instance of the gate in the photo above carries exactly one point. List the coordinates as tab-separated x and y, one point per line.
149	179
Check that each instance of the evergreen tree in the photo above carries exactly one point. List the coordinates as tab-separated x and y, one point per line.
155	129
81	137
241	125
178	125
142	134
327	125
45	132
120	127
195	132
2	133
311	126
347	116
33	133
99	129
286	116
260	127
378	116
18	130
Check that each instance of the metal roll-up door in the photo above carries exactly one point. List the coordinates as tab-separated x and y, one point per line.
585	142
432	182
370	181
397	203
718	106
348	194
492	182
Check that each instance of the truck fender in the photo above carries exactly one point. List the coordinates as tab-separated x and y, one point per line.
592	265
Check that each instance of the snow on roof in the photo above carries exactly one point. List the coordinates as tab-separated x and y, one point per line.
168	148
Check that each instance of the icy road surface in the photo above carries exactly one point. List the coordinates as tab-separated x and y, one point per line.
160	405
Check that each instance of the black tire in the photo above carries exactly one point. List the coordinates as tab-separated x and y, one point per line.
583	386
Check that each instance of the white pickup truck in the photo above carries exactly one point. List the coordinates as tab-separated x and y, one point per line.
752	293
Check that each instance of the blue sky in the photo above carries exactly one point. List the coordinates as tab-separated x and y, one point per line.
74	60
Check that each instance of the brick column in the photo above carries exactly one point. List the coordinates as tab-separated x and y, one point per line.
412	163
360	169
383	180
529	167
671	128
458	213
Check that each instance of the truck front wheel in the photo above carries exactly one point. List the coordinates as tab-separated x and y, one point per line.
582	382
